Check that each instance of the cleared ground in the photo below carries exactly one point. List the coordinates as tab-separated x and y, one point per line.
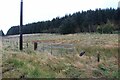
57	56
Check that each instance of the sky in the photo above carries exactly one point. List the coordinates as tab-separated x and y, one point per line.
42	10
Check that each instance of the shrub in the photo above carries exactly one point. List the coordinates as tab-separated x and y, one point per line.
106	28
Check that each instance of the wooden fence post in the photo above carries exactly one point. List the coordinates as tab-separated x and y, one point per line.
51	48
27	45
98	57
43	47
35	45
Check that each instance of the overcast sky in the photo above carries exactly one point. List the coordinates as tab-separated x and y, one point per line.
42	10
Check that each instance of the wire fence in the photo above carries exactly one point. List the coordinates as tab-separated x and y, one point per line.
56	48
45	46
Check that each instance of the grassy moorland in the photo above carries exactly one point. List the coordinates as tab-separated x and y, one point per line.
49	61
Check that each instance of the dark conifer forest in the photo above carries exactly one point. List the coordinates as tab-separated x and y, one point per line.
90	21
1	33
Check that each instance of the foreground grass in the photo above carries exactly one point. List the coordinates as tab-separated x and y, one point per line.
48	66
35	64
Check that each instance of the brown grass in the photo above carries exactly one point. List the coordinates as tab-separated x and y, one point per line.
44	64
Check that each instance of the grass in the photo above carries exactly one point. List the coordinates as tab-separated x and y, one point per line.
107	72
16	63
63	63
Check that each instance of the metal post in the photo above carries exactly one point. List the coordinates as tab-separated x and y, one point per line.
21	24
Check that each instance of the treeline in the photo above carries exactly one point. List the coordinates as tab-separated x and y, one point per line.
99	20
1	33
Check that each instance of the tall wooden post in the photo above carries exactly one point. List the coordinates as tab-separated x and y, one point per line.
35	45
21	24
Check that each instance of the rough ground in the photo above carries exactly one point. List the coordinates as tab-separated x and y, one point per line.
63	63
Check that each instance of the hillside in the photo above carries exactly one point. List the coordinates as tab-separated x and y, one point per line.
99	20
58	56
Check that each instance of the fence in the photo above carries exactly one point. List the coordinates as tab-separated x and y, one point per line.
48	46
43	46
53	48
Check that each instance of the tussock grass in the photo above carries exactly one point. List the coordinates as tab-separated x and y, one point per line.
35	64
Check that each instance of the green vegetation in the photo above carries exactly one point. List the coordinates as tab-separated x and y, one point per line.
43	64
16	63
99	20
1	33
106	28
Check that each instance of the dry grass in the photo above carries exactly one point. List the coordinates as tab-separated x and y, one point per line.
46	65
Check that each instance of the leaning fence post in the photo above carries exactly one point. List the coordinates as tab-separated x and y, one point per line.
35	45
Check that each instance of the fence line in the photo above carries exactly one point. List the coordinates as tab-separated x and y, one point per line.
54	48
